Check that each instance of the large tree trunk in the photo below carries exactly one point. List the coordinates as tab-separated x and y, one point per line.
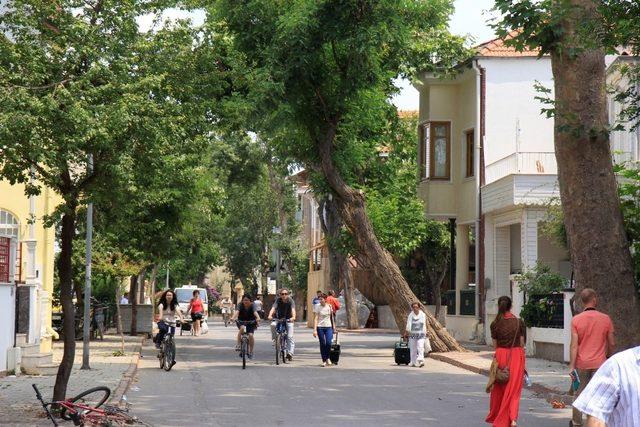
350	204
340	270
592	215
66	300
133	296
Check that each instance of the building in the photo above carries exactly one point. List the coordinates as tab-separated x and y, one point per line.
26	279
487	166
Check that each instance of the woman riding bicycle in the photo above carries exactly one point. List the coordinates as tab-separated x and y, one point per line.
168	309
246	313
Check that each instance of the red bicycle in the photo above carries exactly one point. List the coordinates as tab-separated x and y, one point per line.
86	409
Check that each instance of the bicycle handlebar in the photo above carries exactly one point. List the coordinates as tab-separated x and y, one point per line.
246	322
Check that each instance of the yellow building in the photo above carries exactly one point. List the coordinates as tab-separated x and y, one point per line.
26	278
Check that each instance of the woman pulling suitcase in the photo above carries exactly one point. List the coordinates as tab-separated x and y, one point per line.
323	328
416	329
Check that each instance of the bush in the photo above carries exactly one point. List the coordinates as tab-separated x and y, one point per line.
537	284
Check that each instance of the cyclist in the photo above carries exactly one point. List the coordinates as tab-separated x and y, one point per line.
227	305
284	308
168	309
246	313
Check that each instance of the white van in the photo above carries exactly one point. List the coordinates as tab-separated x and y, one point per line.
184	295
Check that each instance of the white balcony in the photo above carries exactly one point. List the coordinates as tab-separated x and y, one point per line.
522	163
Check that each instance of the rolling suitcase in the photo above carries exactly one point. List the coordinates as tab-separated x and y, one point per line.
401	353
334	353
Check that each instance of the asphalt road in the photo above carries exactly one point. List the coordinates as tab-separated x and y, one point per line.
209	387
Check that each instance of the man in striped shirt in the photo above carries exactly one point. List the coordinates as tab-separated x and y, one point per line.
612	398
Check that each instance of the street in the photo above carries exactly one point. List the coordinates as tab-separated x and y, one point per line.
209	387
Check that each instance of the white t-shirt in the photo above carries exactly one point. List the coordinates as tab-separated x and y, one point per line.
324	315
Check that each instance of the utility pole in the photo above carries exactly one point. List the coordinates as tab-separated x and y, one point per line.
166	286
87	280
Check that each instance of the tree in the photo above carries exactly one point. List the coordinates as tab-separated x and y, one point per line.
327	70
577	36
80	80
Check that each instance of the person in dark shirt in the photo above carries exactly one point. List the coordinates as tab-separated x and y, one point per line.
246	312
284	308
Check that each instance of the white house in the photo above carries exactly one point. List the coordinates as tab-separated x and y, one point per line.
487	165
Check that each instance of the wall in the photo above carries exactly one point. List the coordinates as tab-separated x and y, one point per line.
454	101
6	323
511	104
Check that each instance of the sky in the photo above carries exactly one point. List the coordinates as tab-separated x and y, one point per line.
470	18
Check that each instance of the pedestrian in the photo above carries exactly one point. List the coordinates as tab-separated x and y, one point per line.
612	397
509	337
98	317
323	327
125	298
257	306
592	342
316	300
197	311
416	331
333	301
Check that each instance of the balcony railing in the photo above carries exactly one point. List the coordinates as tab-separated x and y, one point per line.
526	163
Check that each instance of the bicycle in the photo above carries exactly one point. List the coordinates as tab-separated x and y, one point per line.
226	316
281	341
244	340
167	354
85	409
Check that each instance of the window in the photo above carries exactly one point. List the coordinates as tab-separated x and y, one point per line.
439	140
469	153
5	259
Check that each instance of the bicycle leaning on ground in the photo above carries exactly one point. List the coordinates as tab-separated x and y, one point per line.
87	409
167	353
244	340
282	337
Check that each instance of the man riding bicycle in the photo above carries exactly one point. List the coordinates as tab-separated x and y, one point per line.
284	309
246	313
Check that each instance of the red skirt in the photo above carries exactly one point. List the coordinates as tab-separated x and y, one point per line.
505	398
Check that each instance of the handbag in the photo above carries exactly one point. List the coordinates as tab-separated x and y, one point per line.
496	373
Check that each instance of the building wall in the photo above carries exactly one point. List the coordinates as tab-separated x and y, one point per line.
513	116
455	102
13	199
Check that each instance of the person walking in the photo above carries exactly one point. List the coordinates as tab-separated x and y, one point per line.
612	397
416	331
257	306
197	311
323	327
316	300
592	342
333	301
509	337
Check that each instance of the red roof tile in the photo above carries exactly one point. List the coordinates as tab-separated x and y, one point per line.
498	48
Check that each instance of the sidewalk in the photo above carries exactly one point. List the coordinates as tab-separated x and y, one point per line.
18	403
550	379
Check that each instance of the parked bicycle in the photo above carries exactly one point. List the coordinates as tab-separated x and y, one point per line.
88	408
167	353
281	341
244	340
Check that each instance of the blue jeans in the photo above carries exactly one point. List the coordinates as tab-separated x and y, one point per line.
325	336
163	329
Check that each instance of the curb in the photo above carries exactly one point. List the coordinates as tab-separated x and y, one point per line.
127	377
541	390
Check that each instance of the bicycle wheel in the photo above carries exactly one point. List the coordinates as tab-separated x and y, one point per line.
169	356
94	397
278	349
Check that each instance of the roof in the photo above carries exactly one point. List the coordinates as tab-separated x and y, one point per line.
498	48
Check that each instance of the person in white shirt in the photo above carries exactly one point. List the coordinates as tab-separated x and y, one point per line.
125	298
323	327
416	330
612	397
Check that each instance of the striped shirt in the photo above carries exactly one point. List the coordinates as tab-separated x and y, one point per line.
613	394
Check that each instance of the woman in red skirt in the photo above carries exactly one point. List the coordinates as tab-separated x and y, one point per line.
509	335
